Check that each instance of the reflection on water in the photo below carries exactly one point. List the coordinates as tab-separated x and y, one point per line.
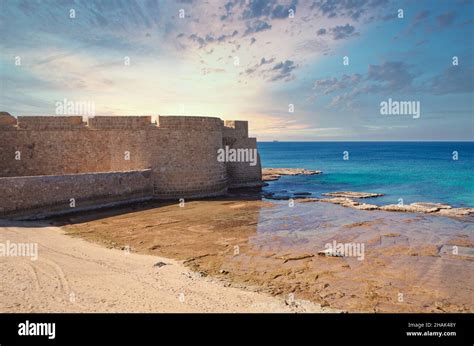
403	268
321	221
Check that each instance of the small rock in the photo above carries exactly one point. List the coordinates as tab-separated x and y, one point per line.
270	174
279	197
302	193
412	208
345	202
457	212
330	253
365	206
351	194
431	205
160	264
296	258
457	250
308	200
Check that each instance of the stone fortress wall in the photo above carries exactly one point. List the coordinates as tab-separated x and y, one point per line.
45	161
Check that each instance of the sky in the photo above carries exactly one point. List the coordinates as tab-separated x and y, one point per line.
302	70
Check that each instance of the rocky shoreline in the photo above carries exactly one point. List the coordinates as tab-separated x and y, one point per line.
349	198
272	174
419	207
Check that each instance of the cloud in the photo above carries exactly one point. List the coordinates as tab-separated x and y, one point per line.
105	14
256	26
393	74
330	85
208	70
314	45
388	17
453	80
445	19
321	31
203	41
340	32
268	9
228	8
390	76
283	71
264	61
256	67
421	15
354	9
257	9
194	56
280	71
282	12
199	40
420	18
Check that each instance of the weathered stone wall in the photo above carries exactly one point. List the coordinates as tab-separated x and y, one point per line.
188	165
65	145
181	152
53	193
235	129
56	152
243	174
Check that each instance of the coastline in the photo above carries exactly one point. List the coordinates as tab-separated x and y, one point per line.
254	253
351	199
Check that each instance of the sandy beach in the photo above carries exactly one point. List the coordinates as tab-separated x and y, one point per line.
73	275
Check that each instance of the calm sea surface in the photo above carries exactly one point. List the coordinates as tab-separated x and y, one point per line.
413	171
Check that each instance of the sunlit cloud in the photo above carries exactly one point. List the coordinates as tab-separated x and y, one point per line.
237	59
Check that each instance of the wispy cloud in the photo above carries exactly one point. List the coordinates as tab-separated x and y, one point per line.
236	59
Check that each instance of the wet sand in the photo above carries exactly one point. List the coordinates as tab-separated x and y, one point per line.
270	247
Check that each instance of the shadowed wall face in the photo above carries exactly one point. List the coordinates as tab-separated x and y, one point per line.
52	193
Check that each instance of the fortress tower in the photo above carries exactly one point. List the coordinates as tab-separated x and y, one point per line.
55	163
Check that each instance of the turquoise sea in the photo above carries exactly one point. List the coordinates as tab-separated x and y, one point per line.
412	171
